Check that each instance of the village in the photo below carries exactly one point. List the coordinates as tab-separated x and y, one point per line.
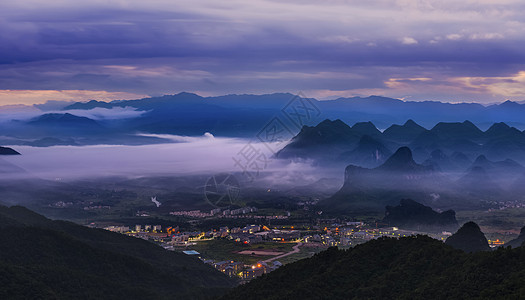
255	249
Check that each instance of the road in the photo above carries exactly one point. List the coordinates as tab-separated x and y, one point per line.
295	250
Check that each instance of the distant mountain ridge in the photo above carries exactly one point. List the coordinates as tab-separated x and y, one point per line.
246	115
380	110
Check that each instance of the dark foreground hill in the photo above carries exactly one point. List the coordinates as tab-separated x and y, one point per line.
416	267
44	259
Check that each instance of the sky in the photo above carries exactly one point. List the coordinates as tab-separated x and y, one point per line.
443	50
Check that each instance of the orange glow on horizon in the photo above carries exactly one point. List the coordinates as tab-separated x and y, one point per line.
30	97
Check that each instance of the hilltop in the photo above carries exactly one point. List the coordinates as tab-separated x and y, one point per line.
63	260
469	238
415	267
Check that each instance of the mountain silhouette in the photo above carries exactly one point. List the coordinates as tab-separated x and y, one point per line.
67	119
505	166
372	189
458	142
469	238
499	130
8	151
366	128
410	214
406	132
242	115
402	161
323	141
456	130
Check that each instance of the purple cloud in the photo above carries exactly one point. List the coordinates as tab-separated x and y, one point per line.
323	48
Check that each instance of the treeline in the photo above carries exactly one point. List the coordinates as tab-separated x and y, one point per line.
415	267
44	259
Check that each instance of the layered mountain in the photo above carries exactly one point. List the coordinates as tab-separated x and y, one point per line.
381	111
486	173
469	238
402	162
247	115
8	151
410	214
368	152
456	162
59	259
63	120
191	114
372	189
505	166
478	182
55	129
415	267
443	181
54	125
449	147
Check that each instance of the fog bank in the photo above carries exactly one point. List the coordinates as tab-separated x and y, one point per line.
185	156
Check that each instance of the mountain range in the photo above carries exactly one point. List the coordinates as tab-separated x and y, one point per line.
243	116
380	110
369	190
446	146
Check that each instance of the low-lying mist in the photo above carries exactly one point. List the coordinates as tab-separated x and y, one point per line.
206	155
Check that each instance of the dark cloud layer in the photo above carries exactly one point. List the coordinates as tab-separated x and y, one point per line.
325	48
